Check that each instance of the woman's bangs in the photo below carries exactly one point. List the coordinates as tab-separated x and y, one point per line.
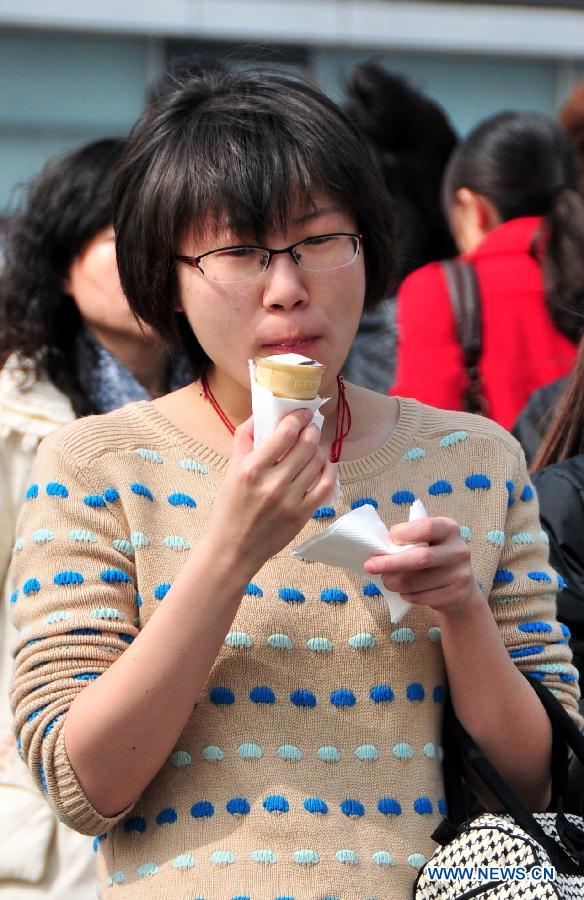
249	181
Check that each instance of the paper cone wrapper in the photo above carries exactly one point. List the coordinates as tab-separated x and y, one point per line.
350	541
268	411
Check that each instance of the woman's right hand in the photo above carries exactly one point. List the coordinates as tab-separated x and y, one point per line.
270	492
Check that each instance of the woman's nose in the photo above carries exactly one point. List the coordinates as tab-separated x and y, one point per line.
285	284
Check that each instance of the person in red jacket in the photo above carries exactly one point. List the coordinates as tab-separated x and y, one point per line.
510	191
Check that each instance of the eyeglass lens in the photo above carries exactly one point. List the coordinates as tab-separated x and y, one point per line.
317	254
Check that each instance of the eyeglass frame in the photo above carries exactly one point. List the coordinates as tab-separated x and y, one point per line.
194	261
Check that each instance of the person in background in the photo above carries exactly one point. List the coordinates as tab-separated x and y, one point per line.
572	118
411	139
535	418
69	346
227	719
510	192
558	474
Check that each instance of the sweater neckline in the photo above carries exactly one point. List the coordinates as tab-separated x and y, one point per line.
408	421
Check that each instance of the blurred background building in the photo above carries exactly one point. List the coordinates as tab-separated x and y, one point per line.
74	70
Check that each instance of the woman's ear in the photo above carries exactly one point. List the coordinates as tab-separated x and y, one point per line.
472	216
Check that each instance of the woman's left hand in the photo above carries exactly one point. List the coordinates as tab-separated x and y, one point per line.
438	575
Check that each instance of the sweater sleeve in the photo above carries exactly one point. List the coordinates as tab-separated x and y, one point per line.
523	595
74	604
430	365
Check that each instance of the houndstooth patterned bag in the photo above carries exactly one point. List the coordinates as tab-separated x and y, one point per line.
514	855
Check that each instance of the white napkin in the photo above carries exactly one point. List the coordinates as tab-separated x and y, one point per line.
268	411
352	540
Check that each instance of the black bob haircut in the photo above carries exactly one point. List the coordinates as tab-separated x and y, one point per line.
239	149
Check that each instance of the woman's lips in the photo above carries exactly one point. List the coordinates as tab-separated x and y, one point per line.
300	346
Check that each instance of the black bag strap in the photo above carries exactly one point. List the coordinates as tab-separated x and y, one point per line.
460	746
465	298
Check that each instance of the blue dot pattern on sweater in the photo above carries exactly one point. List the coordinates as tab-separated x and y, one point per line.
238	806
478	482
140	490
381	693
520	652
423	806
31	586
97	841
262	694
221	696
352	808
95	501
342	698
291	595
415	692
510	485
400	497
364	501
167	816
276	803
543	627
68	577
540	576
202	810
303	698
503	576
372	590
115	576
527	493
178	498
334	595
253	590
438	488
315	805
438	694
324	512
389	806
111	495
161	590
32	492
56	489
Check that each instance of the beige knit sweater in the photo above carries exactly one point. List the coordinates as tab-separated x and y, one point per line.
310	767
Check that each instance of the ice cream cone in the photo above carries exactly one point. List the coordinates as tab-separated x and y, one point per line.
290	375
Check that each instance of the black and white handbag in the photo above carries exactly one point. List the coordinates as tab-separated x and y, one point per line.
514	854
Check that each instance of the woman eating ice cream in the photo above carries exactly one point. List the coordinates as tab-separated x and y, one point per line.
229	720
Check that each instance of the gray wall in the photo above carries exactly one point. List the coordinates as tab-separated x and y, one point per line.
61	89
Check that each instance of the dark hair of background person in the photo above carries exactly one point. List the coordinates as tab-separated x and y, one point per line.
412	139
66	205
572	118
565	435
238	149
524	164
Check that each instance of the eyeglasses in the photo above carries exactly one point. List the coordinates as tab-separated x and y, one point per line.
321	253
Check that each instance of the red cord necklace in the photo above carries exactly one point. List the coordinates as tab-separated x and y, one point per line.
342	428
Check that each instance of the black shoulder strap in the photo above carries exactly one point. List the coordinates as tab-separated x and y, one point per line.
465	298
459	745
